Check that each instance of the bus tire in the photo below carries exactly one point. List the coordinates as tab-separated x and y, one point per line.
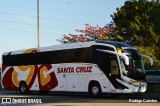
23	87
95	89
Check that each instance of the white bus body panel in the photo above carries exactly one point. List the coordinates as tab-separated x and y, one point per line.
78	81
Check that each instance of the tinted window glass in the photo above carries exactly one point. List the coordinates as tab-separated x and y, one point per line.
50	57
103	60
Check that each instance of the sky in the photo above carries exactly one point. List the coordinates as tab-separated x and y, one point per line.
18	20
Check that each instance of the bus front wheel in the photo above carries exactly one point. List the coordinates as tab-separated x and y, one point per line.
23	88
95	89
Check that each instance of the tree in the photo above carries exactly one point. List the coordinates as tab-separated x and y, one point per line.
138	23
91	33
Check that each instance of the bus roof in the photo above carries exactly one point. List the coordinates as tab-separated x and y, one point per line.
74	45
53	47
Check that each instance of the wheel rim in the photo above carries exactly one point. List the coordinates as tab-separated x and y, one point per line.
95	90
23	88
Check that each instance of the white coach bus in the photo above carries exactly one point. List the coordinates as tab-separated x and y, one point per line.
95	67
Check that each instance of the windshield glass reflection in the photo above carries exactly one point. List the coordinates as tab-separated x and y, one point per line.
134	70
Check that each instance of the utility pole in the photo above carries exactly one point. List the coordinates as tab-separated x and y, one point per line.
38	29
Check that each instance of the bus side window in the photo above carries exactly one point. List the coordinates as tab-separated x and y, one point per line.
114	67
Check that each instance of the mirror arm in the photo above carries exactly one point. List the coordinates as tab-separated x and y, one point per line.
150	59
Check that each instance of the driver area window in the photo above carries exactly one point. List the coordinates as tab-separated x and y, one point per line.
114	67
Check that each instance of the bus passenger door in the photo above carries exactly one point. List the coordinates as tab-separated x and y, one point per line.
104	83
114	75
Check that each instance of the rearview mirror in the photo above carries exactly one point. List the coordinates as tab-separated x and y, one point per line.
126	59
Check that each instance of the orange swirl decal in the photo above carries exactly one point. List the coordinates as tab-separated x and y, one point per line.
13	75
23	69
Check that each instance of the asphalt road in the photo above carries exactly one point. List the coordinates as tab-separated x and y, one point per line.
76	98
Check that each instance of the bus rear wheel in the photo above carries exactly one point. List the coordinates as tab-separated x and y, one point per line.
95	89
23	88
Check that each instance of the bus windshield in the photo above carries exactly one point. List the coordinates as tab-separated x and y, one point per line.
135	69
